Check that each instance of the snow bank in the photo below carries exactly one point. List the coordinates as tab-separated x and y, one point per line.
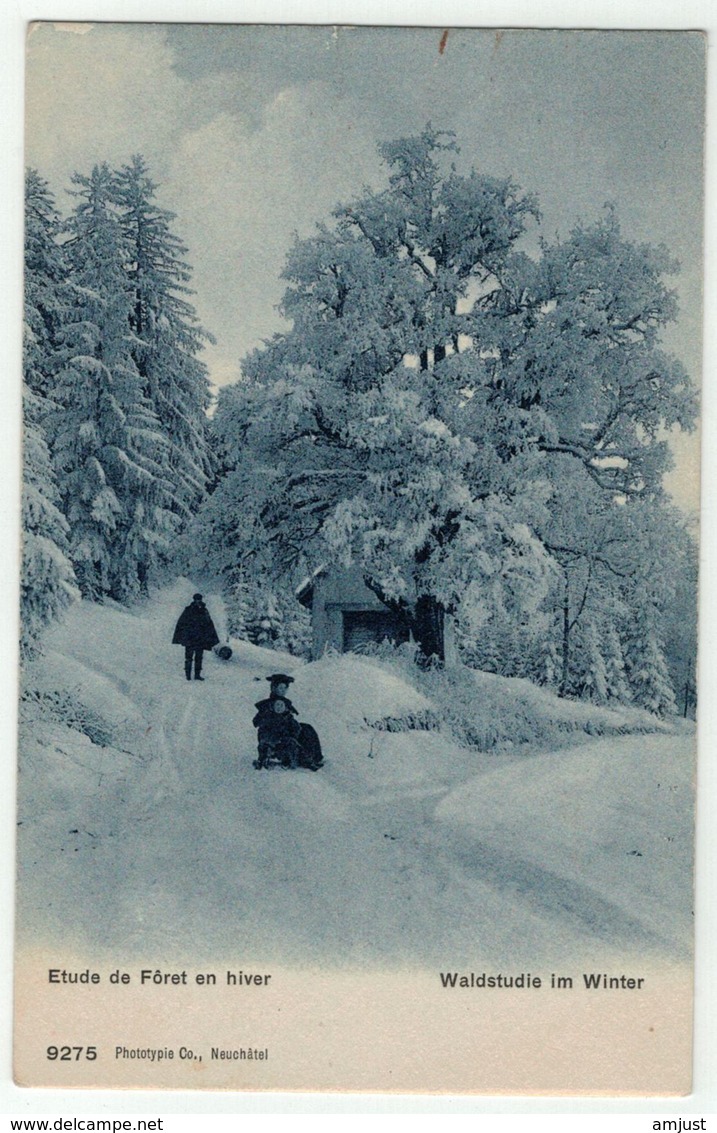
263	661
353	702
612	819
356	689
501	714
541	703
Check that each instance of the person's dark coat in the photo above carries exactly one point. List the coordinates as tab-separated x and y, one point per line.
281	736
310	754
272	724
195	629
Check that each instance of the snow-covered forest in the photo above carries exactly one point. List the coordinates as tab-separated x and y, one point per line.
475	415
478	418
117	454
484	430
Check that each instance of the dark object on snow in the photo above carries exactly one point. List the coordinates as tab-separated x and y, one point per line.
195	628
282	740
195	631
223	652
310	754
278	732
196	656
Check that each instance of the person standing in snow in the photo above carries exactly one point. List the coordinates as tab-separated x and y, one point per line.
195	631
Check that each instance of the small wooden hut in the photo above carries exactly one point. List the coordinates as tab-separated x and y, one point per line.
345	614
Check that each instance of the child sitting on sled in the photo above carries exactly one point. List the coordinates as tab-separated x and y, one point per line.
281	738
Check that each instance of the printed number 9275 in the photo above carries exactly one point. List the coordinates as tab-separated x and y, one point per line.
71	1053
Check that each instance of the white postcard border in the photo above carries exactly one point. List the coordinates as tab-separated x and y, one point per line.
552	13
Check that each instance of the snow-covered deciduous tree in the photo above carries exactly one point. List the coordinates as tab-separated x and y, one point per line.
438	386
168	337
108	448
47	580
365	451
582	366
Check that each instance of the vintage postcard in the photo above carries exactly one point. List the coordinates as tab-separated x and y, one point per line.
359	583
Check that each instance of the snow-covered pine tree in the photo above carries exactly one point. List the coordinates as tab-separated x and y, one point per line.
47	582
661	542
238	606
588	675
645	660
291	623
680	624
108	449
613	654
47	296
274	618
264	626
510	646
168	337
587	533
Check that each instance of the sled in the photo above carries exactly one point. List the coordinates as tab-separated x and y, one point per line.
302	752
277	753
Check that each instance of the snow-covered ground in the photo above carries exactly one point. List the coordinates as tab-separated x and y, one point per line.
405	849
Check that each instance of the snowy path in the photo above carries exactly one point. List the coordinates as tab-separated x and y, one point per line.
407	857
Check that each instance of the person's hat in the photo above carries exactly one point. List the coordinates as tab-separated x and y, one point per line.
280	679
197	597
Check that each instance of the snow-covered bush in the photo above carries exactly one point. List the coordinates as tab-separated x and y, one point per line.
63	706
266	616
491	713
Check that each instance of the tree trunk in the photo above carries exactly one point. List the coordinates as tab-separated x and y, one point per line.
143	577
427	629
425	622
566	639
688	689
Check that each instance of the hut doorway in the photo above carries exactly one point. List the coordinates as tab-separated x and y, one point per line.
367	627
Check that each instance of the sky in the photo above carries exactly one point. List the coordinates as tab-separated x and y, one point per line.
255	133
